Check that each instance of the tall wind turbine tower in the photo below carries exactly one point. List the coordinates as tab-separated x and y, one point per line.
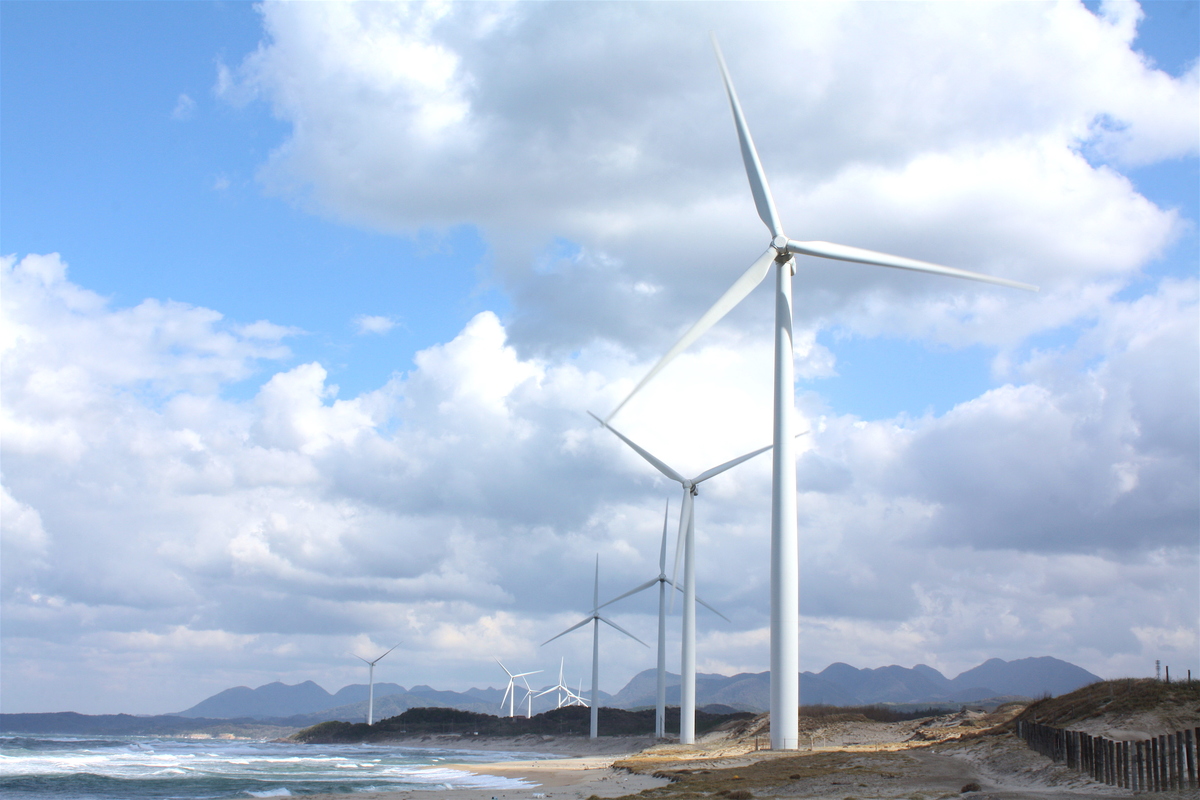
685	544
595	618
371	690
660	707
780	254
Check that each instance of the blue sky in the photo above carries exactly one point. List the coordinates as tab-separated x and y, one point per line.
476	234
158	196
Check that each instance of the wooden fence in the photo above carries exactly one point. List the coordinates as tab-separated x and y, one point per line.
1157	764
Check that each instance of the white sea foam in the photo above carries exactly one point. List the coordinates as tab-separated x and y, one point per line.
253	769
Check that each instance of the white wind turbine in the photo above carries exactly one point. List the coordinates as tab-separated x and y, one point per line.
785	580
685	543
510	692
564	694
529	695
660	712
371	690
576	698
596	619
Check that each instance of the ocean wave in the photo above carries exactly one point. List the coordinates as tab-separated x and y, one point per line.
180	769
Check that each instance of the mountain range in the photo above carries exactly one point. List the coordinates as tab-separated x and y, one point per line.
838	685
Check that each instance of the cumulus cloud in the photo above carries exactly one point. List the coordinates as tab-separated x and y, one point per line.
366	323
960	151
464	502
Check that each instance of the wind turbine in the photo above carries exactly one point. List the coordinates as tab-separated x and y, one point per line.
785	579
596	619
371	690
510	691
660	713
687	533
561	688
576	698
529	695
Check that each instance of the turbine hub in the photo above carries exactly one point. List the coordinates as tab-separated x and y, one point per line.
780	244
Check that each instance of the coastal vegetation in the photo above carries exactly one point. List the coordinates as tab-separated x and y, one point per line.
1122	697
566	721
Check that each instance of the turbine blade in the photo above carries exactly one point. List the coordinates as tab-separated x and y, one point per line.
568	630
843	252
622	630
733	295
645	585
710	608
506	672
685	519
596	586
523	674
655	462
662	552
754	170
729	464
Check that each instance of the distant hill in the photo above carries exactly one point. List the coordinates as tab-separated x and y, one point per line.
279	700
843	685
1028	677
837	685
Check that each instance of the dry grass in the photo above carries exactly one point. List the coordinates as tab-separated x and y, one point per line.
775	775
1113	698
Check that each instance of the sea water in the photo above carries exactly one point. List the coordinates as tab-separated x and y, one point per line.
149	768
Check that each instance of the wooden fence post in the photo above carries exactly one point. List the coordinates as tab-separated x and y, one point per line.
1164	768
1189	745
1140	759
1112	763
1177	759
1155	774
1109	762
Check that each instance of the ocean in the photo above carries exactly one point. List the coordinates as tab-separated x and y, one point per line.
151	768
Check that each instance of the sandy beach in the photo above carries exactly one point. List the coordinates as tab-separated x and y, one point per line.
568	767
947	757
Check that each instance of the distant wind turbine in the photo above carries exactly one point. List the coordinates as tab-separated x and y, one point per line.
371	690
660	708
596	619
563	692
685	544
529	695
785	578
510	692
577	697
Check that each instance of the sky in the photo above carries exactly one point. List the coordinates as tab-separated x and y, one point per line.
304	306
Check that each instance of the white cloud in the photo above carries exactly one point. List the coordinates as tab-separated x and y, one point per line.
464	502
959	151
185	108
366	323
